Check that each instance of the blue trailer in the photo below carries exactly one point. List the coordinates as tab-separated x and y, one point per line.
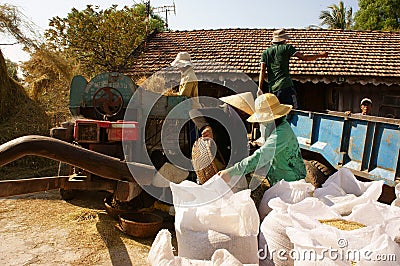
367	145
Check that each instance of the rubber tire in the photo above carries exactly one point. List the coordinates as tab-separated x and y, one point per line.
317	173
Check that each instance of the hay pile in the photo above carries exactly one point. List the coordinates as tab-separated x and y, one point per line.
19	116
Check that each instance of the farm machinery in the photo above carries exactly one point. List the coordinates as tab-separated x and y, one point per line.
118	141
97	150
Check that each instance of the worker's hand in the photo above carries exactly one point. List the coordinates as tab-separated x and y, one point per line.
347	112
323	54
259	92
225	175
207	133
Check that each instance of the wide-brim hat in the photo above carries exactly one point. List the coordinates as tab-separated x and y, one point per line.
268	108
280	36
182	59
242	101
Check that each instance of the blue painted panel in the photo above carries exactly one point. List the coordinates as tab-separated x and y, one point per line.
369	146
330	132
386	146
357	139
301	124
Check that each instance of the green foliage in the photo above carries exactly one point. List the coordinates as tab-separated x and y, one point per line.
378	15
101	40
337	17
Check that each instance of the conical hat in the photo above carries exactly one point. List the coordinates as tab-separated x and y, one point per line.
243	101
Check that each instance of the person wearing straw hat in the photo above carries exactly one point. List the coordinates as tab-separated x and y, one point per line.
189	84
275	61
224	125
280	155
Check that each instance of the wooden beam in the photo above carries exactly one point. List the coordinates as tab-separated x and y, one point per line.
25	186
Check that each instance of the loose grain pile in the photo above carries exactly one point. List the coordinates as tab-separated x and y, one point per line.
342	224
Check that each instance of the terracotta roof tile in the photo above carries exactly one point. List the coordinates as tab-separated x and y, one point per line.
351	53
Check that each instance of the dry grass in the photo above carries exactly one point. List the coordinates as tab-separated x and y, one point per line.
19	116
155	83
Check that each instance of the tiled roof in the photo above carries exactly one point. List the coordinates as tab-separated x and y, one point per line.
359	56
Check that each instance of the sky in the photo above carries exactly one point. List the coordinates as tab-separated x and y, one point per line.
190	14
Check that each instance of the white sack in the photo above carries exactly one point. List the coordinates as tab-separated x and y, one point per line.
224	212
305	214
161	254
289	192
201	245
273	238
342	191
210	217
161	250
324	245
376	213
396	202
314	241
381	251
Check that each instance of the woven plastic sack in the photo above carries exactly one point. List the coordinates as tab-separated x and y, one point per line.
342	191
161	254
396	202
313	241
205	222
273	239
380	214
203	159
201	245
289	192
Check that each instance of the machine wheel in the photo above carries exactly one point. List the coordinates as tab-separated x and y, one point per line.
108	101
317	173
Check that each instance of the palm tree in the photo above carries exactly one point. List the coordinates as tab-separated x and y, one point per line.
338	17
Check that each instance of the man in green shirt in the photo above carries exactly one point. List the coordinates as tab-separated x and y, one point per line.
279	156
275	60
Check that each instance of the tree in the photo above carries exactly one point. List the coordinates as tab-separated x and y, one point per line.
337	17
378	15
102	40
14	23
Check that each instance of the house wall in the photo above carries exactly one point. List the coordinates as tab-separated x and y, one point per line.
385	99
346	97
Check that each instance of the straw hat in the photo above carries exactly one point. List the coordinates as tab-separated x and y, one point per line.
268	108
182	59
279	36
242	101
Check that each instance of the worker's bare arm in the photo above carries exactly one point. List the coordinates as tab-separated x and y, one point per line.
311	57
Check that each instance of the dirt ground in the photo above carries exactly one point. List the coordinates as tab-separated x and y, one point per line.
43	229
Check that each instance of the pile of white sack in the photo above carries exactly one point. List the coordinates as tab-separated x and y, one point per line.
215	226
292	233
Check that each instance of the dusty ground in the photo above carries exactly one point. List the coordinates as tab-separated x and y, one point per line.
42	229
